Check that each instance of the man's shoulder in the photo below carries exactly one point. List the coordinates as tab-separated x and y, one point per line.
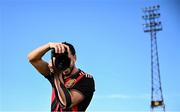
86	84
87	79
86	75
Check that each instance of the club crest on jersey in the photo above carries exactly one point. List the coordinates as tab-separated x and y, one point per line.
70	83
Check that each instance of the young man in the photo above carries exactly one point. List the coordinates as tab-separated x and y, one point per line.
72	88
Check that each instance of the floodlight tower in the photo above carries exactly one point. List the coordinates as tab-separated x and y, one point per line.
153	25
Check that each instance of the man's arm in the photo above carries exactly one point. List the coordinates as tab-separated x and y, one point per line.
35	58
67	98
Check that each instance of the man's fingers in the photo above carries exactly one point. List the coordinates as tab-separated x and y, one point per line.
58	48
67	47
62	48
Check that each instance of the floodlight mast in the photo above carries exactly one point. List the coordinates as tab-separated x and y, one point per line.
153	25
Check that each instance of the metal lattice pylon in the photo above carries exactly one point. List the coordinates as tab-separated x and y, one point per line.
153	25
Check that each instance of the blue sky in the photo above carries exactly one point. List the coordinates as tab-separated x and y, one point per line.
110	43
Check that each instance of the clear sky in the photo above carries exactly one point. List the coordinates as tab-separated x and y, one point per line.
110	43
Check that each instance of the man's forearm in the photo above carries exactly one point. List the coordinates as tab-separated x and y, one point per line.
38	52
64	94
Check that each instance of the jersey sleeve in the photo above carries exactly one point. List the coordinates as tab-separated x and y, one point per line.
85	86
50	79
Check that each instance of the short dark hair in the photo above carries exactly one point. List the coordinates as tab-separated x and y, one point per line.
71	47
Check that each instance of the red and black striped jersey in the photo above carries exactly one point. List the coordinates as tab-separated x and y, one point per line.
80	81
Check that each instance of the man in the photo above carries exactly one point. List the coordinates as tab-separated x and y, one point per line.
72	88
